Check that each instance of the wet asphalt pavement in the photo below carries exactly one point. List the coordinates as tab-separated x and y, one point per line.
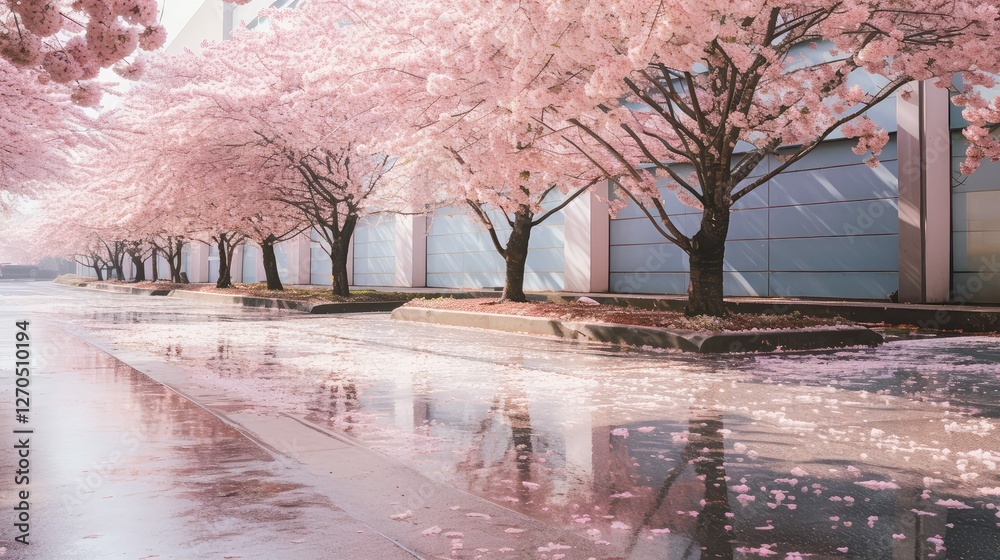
579	450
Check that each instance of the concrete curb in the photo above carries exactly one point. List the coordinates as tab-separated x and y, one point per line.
968	319
121	289
687	341
247	301
355	307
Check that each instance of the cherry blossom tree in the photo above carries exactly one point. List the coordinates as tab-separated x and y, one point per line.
51	52
982	110
721	86
231	139
474	128
138	251
321	122
308	148
39	128
62	224
70	42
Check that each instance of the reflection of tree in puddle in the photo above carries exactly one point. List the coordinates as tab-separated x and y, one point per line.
336	403
173	351
663	491
712	531
615	499
692	499
501	463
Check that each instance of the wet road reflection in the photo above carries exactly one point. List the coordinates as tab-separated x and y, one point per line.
123	467
875	453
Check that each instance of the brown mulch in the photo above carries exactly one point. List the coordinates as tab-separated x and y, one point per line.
631	316
260	290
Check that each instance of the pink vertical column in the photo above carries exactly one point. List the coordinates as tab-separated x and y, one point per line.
236	272
588	239
411	251
299	257
924	143
197	264
350	261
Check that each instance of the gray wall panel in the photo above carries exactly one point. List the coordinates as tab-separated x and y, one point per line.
856	182
975	287
976	211
649	283
838	153
748	224
746	256
974	250
640	230
319	266
381	265
251	256
542	280
375	251
863	285
361	279
756	199
319	261
546	261
860	253
213	264
282	256
749	284
653	257
836	219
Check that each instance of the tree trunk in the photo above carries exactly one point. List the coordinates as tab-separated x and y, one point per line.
120	268
338	270
225	265
176	264
153	262
97	266
708	252
140	267
516	256
173	258
271	264
338	257
175	275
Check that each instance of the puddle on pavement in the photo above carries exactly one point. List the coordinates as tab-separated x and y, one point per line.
850	454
